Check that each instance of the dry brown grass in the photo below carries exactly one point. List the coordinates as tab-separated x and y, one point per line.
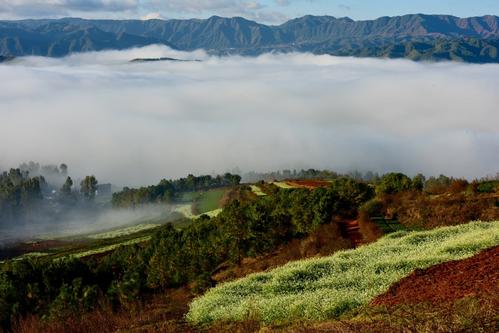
159	313
420	210
369	230
465	315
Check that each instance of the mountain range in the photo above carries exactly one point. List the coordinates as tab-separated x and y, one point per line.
418	36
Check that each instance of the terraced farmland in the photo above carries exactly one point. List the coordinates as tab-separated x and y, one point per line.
124	231
257	190
90	244
285	185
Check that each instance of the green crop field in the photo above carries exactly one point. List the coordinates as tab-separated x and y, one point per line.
188	196
124	231
319	289
208	201
199	202
111	247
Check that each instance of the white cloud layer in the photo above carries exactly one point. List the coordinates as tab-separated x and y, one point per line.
137	123
51	8
251	9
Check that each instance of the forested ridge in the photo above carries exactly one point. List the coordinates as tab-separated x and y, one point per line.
413	36
166	190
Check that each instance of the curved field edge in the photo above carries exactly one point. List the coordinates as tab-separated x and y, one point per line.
326	288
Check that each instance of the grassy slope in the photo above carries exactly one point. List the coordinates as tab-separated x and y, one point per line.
209	201
319	289
200	202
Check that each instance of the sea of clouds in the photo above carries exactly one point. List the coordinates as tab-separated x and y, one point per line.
135	123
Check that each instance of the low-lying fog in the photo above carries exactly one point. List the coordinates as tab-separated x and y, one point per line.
80	222
135	123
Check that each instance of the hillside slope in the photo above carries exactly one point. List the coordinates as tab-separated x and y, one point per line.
319	289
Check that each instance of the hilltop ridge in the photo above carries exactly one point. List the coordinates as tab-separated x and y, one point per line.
414	36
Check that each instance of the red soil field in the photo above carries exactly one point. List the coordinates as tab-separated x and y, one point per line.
309	183
447	282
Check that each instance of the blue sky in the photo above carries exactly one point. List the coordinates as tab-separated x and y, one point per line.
268	11
369	9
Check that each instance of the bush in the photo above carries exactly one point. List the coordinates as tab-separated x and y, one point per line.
373	208
73	299
393	183
437	185
488	186
458	186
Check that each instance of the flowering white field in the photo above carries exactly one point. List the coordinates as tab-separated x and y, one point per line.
257	190
318	289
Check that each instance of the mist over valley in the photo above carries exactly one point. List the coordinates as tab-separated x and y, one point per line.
135	123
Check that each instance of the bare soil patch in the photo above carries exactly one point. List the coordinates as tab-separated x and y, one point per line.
311	184
447	282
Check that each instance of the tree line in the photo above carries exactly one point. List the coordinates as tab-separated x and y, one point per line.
166	190
392	183
25	192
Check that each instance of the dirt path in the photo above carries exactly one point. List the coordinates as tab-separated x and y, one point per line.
351	230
